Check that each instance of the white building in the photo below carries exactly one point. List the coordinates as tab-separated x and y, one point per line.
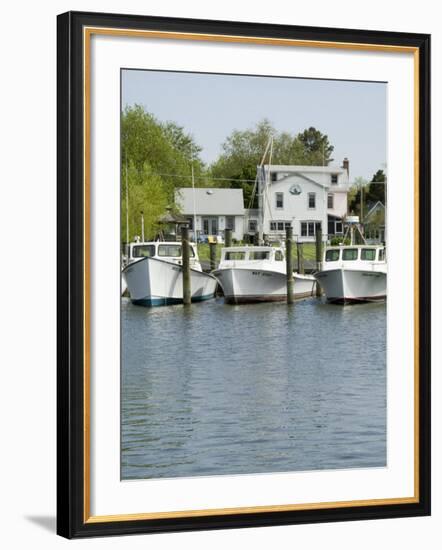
302	196
214	210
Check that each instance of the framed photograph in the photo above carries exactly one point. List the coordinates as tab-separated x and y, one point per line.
243	274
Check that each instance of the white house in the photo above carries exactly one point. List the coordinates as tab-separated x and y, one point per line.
214	210
302	196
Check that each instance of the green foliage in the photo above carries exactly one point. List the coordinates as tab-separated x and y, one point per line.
336	241
371	193
316	146
155	153
165	147
147	195
243	150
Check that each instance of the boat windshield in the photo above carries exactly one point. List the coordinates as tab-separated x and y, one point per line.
143	251
172	251
259	255
368	254
235	255
349	254
279	256
332	255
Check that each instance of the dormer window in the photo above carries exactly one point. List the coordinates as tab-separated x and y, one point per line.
334	179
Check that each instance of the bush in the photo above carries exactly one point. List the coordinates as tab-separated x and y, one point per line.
336	241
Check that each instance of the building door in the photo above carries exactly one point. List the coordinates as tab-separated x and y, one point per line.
210	226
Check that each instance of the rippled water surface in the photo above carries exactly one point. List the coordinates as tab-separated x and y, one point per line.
216	389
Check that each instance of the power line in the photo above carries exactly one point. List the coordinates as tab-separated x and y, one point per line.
203	177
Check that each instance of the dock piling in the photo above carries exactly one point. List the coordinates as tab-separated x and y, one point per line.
300	254
212	252
228	237
318	255
187	297
289	263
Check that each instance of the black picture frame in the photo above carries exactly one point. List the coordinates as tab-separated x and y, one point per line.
72	520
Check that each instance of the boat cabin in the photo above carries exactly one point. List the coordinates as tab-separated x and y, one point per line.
161	250
349	254
251	254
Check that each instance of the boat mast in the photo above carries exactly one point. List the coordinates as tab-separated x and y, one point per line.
262	178
127	207
194	205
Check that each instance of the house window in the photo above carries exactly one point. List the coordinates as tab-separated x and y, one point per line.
252	225
312	200
230	222
338	227
330	197
279	200
308	229
279	225
334	179
274	176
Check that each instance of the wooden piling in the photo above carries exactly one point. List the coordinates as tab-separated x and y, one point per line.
318	255
212	252
289	263
300	254
187	296
228	237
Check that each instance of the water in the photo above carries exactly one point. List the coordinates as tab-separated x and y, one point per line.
216	389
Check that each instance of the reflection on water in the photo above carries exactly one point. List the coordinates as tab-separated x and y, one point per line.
216	389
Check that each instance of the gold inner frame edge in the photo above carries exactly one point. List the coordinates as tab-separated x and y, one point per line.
87	34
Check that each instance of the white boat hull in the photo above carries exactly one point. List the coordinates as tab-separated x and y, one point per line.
154	282
123	284
241	285
346	285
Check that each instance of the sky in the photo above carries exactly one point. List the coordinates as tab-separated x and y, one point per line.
211	106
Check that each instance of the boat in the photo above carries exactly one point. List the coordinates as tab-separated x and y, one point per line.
154	275
249	274
354	273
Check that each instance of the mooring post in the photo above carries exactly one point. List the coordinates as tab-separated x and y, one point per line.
186	265
228	237
300	254
212	252
318	255
289	263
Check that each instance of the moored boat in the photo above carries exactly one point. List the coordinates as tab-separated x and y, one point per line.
250	274
354	273
154	277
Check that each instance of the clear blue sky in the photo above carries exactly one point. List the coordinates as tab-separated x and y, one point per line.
210	107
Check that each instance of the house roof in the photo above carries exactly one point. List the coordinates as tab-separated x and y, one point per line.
375	208
210	201
330	169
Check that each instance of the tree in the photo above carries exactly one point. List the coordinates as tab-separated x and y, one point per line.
372	192
167	149
159	158
147	196
243	150
317	148
378	187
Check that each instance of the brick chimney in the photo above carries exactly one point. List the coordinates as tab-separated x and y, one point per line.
346	165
